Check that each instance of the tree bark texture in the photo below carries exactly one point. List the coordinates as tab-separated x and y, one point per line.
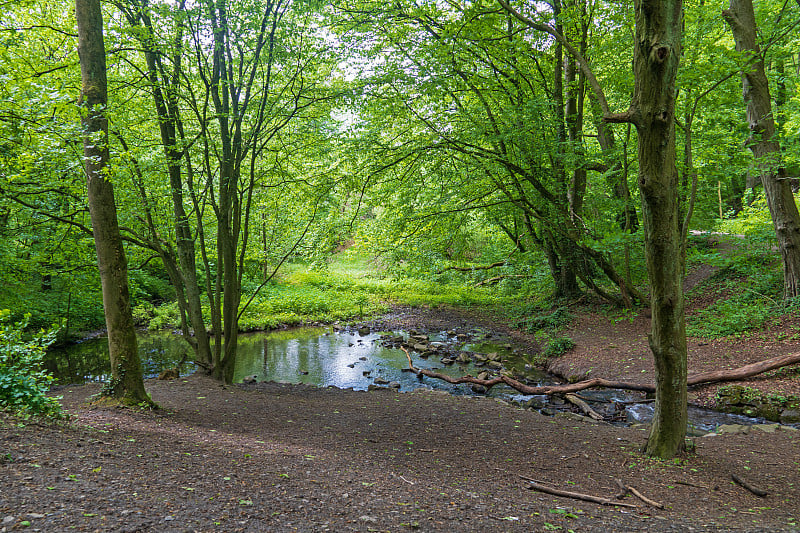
126	370
656	56
764	143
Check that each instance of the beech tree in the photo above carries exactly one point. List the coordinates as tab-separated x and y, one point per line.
764	143
126	369
657	51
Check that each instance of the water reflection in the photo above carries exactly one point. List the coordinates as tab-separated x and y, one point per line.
347	359
323	357
88	361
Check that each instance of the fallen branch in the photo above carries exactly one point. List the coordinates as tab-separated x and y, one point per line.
535	485
495	279
470	269
627	488
755	490
527	389
574	400
690	484
746	371
697	379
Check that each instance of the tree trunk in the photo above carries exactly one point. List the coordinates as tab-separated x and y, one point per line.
126	369
659	25
656	56
165	101
764	143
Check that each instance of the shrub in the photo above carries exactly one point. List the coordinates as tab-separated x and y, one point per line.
558	347
557	319
23	382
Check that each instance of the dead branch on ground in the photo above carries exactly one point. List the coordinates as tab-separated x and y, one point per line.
752	488
535	485
574	400
696	379
627	488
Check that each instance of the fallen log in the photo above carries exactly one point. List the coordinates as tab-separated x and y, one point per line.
574	400
697	379
746	371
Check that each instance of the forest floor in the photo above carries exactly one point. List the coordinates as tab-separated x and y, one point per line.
282	457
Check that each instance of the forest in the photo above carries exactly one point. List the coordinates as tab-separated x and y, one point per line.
214	167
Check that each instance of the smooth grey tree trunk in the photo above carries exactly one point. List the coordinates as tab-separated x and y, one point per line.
764	143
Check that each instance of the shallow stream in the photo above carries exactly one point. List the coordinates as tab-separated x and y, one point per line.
358	359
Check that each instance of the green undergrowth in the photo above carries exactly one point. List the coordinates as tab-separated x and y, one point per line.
748	290
546	325
23	381
350	287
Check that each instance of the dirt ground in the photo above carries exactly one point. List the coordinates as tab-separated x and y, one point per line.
279	457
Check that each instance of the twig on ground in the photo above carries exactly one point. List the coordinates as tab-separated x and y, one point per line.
755	490
688	484
627	488
535	485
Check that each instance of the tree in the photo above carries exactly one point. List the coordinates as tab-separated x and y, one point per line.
657	51
126	369
764	143
492	129
165	88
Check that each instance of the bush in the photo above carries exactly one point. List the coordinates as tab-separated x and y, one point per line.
558	347
555	320
23	382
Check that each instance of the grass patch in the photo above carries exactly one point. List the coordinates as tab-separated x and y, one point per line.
349	287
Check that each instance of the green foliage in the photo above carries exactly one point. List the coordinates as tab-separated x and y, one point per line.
753	222
23	382
149	285
728	317
748	290
157	317
347	290
552	321
557	347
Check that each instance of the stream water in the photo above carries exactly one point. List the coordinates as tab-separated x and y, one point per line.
351	359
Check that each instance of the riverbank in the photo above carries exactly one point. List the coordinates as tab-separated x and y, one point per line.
280	457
